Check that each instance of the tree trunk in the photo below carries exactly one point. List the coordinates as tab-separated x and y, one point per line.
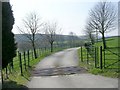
104	42
51	46
35	54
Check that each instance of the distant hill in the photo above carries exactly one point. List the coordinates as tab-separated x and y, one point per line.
23	42
23	38
40	37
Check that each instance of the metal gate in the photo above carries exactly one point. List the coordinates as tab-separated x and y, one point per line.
111	57
90	55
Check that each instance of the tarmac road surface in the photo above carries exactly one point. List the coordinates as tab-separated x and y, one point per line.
67	58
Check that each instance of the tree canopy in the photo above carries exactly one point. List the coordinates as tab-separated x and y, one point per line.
103	18
8	44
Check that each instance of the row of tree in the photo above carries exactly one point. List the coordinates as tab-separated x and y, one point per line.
34	26
102	19
41	42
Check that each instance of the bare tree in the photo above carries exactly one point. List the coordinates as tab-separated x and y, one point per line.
89	31
51	30
103	18
31	26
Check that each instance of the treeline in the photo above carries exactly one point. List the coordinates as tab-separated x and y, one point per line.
60	41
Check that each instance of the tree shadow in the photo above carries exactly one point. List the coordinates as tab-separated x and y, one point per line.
7	85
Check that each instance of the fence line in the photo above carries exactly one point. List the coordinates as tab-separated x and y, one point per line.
23	59
97	57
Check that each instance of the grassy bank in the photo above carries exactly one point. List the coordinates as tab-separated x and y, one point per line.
111	71
15	79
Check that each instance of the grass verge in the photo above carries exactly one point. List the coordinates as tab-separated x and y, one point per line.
16	80
113	73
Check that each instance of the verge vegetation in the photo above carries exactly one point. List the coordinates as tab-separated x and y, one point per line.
14	75
110	62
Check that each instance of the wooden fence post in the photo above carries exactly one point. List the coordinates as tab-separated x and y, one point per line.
24	61
100	57
104	58
28	58
81	55
18	55
20	64
98	61
87	58
95	58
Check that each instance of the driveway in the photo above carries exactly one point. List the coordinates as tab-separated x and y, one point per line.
62	59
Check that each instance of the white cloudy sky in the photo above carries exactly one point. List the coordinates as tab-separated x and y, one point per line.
71	15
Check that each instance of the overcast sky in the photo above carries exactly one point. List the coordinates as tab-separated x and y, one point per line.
71	15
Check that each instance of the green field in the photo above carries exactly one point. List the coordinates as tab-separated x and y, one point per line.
110	58
112	52
110	42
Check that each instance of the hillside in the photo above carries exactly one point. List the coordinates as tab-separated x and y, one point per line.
22	37
23	43
110	41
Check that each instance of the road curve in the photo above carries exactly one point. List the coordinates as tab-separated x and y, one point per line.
68	58
64	58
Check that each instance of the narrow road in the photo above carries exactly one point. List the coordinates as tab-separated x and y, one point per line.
64	58
67	58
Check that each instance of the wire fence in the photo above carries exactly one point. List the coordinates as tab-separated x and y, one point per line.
100	58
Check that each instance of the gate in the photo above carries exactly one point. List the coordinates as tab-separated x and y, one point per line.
95	56
90	55
111	57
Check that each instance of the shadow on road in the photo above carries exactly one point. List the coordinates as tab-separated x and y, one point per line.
59	71
12	85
